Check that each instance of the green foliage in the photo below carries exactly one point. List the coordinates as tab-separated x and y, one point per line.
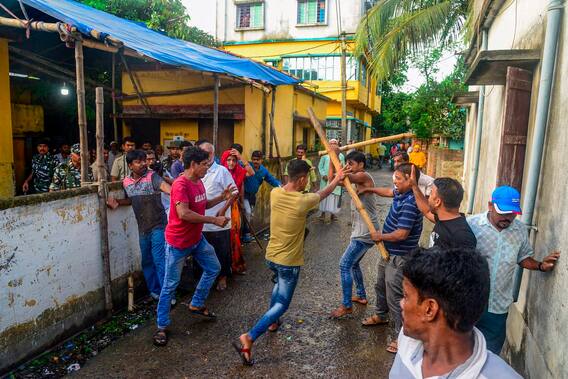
394	29
166	16
429	109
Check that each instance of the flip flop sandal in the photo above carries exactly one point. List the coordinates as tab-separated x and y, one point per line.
359	300
202	313
242	351
392	348
160	338
370	321
335	314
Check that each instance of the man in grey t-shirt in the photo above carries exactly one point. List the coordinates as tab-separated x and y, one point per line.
360	238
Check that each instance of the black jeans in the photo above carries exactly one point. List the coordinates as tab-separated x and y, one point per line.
221	242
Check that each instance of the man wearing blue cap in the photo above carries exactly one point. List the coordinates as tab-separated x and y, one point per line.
504	242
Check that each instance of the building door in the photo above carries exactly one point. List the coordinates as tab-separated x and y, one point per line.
515	125
225	136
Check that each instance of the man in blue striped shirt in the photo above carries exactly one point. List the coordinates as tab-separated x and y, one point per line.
401	233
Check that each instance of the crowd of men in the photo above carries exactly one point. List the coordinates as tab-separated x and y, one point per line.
448	303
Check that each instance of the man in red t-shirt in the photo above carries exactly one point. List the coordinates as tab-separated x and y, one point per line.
184	238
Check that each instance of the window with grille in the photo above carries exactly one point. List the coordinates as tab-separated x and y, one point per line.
311	12
320	67
250	15
363	74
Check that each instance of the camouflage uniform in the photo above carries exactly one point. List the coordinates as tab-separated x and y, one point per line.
67	176
43	167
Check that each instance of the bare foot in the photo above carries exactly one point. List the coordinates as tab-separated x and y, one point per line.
222	283
392	347
341	311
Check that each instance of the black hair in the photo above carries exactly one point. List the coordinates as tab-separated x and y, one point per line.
450	191
238	147
128	139
358	157
150	152
64	143
302	146
194	154
185	144
402	154
406	169
200	142
43	141
297	168
257	154
458	279
135	155
150	142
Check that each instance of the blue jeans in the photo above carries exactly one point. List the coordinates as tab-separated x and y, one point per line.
204	254
351	271
494	329
152	249
286	278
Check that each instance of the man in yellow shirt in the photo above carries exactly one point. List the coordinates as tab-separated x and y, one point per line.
418	157
289	207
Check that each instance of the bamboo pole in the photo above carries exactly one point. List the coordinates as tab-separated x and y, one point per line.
105	250
372	141
130	293
81	111
333	157
273	133
216	113
135	85
114	120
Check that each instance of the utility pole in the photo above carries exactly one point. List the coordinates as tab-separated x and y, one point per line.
344	134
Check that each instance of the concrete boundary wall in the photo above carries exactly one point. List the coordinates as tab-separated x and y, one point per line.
51	271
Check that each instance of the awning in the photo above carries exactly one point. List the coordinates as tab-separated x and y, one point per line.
490	66
156	45
466	98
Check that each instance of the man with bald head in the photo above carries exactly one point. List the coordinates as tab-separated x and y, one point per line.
217	180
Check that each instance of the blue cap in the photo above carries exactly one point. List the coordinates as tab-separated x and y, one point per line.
506	200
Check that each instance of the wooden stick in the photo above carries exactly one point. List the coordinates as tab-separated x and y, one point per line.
217	82
114	120
82	112
249	225
105	250
273	133
372	141
333	157
130	293
135	85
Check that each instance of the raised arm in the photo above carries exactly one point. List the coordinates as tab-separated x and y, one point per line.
225	195
421	200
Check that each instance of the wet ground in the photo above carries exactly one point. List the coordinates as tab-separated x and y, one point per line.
308	344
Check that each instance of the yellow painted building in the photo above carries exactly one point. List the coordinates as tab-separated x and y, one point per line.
6	152
244	111
317	62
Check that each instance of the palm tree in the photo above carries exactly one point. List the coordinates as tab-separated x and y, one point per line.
395	29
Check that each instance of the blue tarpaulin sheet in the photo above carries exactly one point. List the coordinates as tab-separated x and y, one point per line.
156	45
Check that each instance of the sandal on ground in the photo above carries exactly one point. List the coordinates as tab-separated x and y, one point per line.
202	313
160	338
341	312
374	320
242	351
392	347
274	327
359	300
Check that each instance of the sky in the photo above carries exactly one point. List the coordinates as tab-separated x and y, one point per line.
202	13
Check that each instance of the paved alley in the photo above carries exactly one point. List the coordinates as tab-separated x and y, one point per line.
308	344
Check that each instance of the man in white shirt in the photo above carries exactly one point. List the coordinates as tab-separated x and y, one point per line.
425	182
217	179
